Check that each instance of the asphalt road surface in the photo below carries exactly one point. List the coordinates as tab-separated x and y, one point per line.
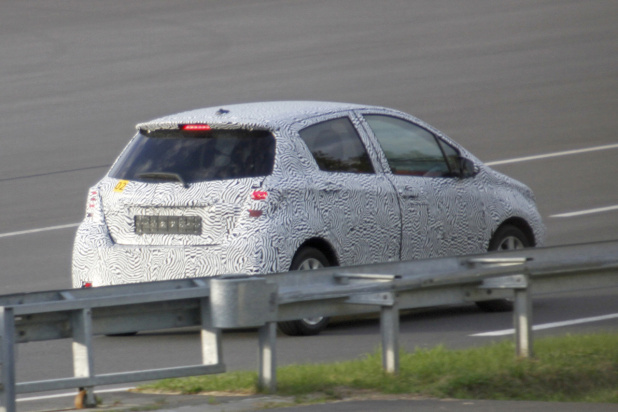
529	86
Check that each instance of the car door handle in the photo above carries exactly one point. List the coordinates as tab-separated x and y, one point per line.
332	187
408	193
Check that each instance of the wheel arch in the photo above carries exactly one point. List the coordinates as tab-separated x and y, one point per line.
323	246
522	225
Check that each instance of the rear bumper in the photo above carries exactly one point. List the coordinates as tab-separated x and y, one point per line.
100	262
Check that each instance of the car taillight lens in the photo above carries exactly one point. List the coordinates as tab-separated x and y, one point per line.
259	195
255	213
93	206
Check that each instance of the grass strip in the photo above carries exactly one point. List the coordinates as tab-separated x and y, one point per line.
572	368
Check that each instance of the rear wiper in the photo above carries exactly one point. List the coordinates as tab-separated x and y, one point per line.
164	176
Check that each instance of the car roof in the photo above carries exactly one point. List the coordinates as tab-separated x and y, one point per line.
268	115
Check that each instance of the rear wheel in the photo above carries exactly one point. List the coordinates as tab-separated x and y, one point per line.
506	238
307	258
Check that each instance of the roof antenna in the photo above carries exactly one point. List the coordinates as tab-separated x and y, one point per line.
222	111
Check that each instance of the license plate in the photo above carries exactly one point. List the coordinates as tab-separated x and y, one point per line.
168	225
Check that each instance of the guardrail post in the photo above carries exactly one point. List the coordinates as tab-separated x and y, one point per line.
522	319
83	362
212	351
7	352
238	301
389	318
389	325
522	304
267	368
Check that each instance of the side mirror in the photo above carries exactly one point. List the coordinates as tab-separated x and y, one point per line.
467	168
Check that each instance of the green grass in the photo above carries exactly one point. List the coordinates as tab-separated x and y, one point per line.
565	369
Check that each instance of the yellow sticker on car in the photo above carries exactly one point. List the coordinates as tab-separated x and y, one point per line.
121	185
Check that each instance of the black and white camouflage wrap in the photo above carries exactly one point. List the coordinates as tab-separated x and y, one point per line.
362	217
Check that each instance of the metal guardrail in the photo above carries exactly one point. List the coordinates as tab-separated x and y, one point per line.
235	301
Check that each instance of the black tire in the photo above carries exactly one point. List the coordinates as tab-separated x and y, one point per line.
307	258
509	238
506	238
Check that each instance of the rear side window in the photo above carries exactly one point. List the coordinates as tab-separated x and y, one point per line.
196	156
337	147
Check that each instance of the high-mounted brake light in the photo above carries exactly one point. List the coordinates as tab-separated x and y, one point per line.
195	127
259	195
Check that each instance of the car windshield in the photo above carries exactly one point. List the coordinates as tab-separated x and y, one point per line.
189	157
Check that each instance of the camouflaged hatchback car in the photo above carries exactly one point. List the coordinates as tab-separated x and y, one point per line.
277	186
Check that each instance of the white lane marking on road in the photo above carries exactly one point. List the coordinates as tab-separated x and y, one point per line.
65	395
551	325
42	229
555	154
587	212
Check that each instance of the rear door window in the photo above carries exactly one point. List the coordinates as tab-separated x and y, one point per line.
337	147
196	156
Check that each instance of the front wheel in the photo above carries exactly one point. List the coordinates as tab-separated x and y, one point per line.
307	258
506	238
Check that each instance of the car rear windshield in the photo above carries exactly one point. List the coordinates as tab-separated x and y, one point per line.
190	157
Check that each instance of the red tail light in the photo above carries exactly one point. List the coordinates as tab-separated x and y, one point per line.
92	200
255	213
259	195
93	205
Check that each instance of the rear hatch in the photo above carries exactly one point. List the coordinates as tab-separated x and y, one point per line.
185	186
